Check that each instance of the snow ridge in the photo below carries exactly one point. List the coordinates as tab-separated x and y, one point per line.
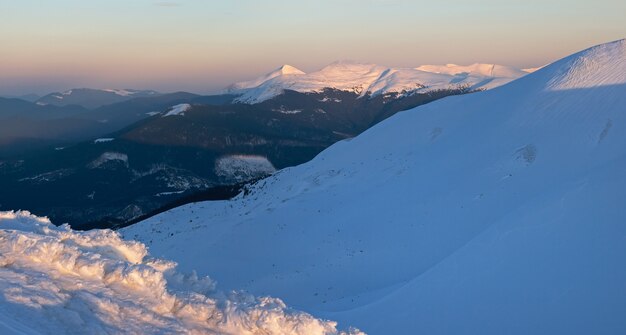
594	67
56	280
363	78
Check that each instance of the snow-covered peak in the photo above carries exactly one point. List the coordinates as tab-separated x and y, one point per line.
288	69
285	70
364	78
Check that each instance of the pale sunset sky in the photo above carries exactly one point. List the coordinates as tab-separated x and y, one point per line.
202	46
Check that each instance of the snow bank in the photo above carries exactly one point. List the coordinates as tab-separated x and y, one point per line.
55	280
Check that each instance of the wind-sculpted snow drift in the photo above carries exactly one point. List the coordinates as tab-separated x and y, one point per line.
499	212
58	281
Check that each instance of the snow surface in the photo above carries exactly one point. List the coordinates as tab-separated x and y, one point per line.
282	110
103	140
532	69
179	109
116	91
169	193
500	212
243	167
375	79
128	92
109	157
285	70
486	70
58	281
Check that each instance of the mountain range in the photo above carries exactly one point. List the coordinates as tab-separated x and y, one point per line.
59	118
168	149
93	98
27	126
191	149
495	212
371	79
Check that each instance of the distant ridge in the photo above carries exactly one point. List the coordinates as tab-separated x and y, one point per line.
93	98
374	79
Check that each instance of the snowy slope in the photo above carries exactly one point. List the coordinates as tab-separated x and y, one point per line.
58	281
500	212
483	75
487	70
373	79
179	109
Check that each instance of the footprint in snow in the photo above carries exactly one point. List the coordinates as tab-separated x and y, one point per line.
527	154
606	129
435	133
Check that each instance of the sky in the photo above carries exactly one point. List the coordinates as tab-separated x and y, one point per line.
202	46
